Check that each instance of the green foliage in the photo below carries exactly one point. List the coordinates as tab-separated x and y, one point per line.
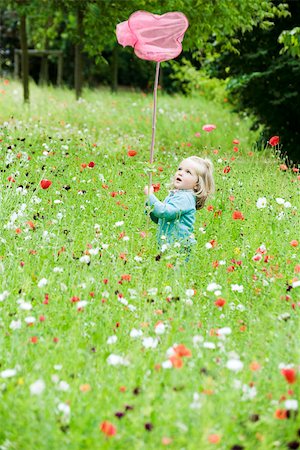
265	83
189	80
291	41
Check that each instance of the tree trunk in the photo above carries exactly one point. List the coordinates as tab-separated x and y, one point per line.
78	55
43	78
25	59
114	69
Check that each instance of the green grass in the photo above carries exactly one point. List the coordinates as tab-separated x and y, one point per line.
45	233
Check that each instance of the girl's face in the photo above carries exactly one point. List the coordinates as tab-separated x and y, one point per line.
186	176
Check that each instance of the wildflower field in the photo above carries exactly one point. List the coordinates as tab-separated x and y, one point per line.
105	344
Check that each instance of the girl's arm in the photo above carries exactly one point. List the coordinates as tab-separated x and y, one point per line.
177	205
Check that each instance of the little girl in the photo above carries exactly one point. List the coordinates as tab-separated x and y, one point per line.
192	183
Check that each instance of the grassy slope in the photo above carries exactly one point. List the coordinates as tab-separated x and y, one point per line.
101	129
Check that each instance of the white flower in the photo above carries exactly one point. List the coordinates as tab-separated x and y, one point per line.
116	360
15	324
150	342
63	386
296	283
208	245
167	364
105	246
4	296
135	333
8	373
152	291
138	259
190	292
164	247
123	301
280	201
160	328
26	306
287	205
213	287
94	251
80	305
85	259
240	307
291	405
112	339
261	203
196	404
42	282
237	287
58	269
65	411
119	224
131	308
235	365
30	320
248	392
37	388
209	345
224	331
197	339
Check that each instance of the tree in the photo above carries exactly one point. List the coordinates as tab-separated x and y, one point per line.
265	83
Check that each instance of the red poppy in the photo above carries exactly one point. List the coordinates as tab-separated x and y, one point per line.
226	169
176	361
274	140
126	277
280	414
45	184
236	141
289	375
131	153
108	428
156	187
182	350
220	302
237	215
294	243
91	164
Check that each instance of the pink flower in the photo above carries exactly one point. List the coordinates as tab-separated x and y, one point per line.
197	134
209	127
153	37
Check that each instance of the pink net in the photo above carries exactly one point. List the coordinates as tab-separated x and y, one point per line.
153	37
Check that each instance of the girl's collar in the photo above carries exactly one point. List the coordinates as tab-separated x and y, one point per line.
182	190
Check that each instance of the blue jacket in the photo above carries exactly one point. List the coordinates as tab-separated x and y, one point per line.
175	216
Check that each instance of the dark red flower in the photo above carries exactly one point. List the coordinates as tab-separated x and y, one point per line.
289	375
91	164
45	184
226	169
156	187
274	140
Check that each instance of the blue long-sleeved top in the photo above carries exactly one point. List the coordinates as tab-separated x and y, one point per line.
175	216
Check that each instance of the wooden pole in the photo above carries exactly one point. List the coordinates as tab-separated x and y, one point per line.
24	59
78	54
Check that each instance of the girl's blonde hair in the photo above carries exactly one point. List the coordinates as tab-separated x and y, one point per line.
205	184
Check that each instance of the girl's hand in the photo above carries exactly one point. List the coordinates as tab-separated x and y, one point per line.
148	191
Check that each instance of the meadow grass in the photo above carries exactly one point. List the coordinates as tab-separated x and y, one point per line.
102	345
